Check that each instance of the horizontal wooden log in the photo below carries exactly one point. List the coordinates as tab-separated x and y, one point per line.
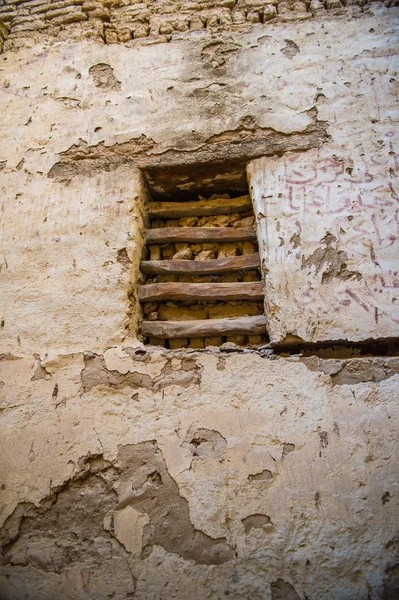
201	267
201	291
164	235
191	329
200	208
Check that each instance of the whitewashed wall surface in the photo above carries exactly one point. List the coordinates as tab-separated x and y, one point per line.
131	471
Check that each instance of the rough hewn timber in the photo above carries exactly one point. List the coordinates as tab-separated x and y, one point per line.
201	291
200	208
181	329
164	235
201	267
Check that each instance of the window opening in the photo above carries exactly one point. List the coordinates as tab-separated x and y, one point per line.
201	281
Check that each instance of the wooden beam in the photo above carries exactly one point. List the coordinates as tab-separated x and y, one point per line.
200	208
204	327
164	235
201	267
201	291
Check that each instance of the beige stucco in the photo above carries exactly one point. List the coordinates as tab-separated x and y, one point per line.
133	472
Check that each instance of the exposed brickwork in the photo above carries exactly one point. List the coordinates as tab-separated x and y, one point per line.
3	34
46	19
152	21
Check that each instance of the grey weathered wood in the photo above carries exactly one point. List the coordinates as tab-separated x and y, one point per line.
201	291
200	208
202	327
163	235
201	267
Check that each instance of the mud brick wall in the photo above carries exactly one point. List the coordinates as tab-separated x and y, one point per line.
130	471
154	21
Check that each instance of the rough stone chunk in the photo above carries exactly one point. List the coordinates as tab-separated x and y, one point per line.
181	25
155	341
269	12
206	255
251	276
247	222
282	590
124	35
283	8
149	307
331	4
228	249
196	248
185	254
228	309
188	221
152	316
255	340
168	250
196	23
155	252
239	340
247	248
316	6
253	16
173	312
140	31
175	344
196	343
214	341
166	28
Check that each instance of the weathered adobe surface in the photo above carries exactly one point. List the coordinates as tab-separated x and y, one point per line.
230	150
178	501
77	522
167	106
153	21
316	286
288	467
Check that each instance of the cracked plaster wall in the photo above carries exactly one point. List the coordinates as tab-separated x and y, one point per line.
291	475
280	474
67	280
160	108
330	243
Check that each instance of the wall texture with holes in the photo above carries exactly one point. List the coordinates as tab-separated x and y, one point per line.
130	472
